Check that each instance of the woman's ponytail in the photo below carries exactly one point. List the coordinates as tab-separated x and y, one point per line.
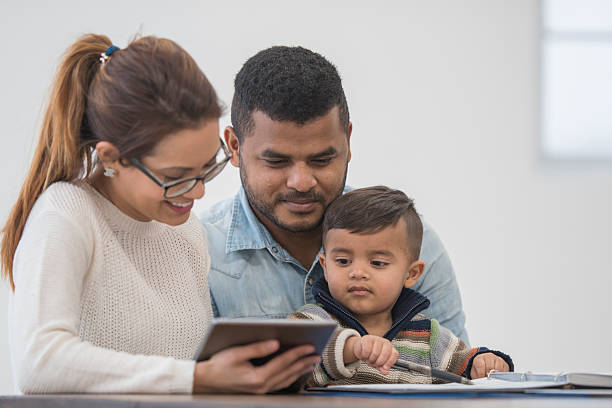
60	154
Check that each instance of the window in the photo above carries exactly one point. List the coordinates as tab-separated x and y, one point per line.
576	79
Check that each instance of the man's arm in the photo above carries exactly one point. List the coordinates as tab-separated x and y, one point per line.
439	284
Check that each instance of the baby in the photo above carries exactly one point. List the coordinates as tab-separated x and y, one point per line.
372	241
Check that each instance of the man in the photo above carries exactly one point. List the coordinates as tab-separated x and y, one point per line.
290	137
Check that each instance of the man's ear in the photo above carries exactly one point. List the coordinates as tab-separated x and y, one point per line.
322	262
233	144
415	270
108	154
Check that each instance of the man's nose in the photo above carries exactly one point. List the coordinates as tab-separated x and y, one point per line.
301	178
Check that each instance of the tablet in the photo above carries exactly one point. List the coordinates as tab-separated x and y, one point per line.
224	333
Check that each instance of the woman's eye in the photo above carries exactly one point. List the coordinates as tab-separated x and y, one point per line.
343	261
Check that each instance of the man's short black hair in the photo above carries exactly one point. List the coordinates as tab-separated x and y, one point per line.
370	210
287	84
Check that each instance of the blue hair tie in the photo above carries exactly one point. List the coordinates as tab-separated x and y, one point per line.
104	56
110	50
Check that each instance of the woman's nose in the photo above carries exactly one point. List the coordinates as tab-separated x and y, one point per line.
197	191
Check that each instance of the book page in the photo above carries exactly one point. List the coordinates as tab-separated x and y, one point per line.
480	385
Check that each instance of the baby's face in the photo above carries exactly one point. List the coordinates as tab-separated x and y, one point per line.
366	272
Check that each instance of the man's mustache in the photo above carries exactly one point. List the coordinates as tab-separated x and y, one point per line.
297	196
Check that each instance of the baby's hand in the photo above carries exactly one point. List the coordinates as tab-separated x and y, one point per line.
378	352
483	363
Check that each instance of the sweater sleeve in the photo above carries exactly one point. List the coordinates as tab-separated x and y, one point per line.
449	353
50	266
332	365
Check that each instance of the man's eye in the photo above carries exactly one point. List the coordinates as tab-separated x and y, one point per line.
275	162
379	264
322	161
169	179
343	261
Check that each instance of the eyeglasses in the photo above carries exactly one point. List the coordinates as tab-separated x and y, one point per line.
179	187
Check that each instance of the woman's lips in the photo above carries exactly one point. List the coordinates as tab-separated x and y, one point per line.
180	208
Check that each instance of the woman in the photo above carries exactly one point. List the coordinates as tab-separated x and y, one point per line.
108	266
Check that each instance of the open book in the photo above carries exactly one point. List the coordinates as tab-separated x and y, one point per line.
579	380
496	382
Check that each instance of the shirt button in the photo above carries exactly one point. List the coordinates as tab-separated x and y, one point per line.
275	250
310	281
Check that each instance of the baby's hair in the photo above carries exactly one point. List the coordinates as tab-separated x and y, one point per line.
370	210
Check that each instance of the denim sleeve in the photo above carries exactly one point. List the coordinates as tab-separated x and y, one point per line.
439	284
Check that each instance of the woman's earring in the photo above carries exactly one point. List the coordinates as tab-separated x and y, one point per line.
109	172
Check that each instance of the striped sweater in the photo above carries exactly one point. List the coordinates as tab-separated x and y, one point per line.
417	339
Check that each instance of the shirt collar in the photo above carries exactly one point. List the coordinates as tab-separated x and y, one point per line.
246	232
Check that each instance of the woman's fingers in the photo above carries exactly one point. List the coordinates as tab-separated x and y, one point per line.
251	351
285	360
283	379
231	369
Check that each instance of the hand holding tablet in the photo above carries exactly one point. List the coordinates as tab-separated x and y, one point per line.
225	333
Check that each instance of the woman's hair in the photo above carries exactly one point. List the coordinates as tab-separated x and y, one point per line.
132	99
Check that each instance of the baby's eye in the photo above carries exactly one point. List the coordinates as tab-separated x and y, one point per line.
343	261
379	264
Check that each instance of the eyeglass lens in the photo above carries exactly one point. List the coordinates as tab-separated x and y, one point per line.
179	189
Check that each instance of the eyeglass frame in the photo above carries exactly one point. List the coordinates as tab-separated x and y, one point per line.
218	166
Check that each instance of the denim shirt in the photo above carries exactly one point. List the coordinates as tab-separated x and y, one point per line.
252	275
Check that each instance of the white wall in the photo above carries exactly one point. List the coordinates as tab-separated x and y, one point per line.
444	100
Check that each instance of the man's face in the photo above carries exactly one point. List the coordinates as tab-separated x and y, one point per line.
292	172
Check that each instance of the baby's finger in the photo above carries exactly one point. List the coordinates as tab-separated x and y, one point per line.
392	358
478	367
384	355
490	365
501	365
366	348
374	353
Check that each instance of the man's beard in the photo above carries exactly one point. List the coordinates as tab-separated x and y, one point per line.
267	209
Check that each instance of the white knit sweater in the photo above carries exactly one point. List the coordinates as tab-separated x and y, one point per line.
105	303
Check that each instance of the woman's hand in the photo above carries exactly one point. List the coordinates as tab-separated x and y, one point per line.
231	371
